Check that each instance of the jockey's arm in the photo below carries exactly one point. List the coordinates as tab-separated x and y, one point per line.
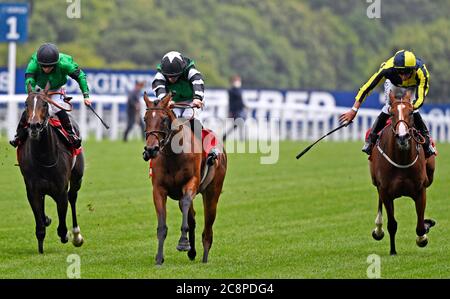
364	91
198	86
422	89
30	74
79	76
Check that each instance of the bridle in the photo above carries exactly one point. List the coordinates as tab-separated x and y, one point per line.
413	133
44	126
169	133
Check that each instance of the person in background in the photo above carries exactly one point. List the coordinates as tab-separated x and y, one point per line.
134	110
236	105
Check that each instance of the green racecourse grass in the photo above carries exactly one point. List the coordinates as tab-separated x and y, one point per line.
307	218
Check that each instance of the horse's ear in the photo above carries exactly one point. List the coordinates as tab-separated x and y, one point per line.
29	89
392	96
408	95
147	100
165	101
47	87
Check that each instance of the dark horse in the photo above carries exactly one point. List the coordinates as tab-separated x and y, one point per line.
47	166
399	168
181	175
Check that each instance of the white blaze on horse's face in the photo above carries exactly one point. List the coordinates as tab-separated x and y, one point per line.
153	114
34	108
402	129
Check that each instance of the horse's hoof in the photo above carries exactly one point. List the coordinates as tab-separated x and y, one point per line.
158	261
422	241
65	239
430	222
378	237
183	247
191	254
78	241
393	253
48	221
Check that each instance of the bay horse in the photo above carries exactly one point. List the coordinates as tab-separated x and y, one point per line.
48	167
178	174
399	168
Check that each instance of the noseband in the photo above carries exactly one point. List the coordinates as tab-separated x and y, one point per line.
413	132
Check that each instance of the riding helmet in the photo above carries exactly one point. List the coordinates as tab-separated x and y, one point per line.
172	64
48	55
404	60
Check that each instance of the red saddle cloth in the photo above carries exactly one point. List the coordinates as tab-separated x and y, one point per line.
209	141
55	123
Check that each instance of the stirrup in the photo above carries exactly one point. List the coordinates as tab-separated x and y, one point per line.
74	140
429	151
14	142
367	148
212	156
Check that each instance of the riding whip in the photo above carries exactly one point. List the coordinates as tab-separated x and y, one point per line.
332	131
103	123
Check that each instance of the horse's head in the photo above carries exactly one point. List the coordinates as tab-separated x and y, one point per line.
401	111
37	111
158	120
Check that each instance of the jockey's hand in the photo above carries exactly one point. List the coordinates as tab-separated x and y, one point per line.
171	104
347	117
87	102
197	103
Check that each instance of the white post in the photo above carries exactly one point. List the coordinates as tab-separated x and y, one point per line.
12	105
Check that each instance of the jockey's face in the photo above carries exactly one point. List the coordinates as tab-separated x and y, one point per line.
47	69
404	75
173	79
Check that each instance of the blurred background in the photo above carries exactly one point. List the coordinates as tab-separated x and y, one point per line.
281	46
308	44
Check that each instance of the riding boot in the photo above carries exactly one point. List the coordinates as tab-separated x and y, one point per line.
379	124
73	139
196	127
21	132
422	127
212	156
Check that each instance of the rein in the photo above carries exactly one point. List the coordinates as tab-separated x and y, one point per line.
413	133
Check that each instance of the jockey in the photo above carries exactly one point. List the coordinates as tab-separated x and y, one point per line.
177	74
48	65
402	70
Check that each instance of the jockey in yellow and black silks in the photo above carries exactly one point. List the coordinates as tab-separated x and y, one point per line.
404	70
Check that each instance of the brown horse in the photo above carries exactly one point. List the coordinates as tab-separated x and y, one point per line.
47	166
181	174
399	168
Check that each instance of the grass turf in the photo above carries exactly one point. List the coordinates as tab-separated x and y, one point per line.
307	218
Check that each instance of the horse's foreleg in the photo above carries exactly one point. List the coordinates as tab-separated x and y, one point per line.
61	203
160	199
185	205
392	223
420	201
378	232
37	205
